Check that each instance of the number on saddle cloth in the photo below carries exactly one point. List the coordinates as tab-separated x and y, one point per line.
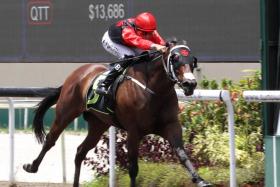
96	102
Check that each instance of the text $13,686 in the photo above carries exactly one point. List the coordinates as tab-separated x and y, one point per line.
110	11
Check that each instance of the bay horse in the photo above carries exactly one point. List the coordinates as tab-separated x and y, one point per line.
138	111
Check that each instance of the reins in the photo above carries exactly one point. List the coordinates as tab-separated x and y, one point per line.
168	67
147	55
143	56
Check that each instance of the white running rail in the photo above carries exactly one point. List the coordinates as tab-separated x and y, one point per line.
202	95
12	104
262	96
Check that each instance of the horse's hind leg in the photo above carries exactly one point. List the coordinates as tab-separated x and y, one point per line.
57	127
95	129
51	138
173	133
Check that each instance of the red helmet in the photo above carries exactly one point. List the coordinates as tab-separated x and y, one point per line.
146	22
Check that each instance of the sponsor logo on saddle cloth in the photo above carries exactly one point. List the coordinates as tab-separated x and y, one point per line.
98	102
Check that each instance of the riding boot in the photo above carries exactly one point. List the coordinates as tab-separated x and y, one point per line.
103	87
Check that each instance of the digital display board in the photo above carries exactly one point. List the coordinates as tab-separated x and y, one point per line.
11	30
71	30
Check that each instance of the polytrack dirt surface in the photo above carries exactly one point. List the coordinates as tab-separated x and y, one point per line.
26	149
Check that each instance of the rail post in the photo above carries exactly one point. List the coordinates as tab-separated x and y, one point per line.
11	140
112	156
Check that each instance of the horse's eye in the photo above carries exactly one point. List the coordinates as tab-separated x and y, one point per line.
175	58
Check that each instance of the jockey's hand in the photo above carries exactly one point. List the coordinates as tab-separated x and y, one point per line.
158	47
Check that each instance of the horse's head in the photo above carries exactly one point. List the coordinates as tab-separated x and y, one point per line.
179	67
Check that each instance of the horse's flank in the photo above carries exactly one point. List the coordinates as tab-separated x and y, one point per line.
81	78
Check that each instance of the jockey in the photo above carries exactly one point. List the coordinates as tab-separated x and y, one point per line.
128	38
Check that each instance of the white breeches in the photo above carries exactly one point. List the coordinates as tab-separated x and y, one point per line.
118	50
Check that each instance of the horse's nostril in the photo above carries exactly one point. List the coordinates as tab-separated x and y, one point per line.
194	84
190	83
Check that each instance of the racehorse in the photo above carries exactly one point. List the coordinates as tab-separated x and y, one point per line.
148	105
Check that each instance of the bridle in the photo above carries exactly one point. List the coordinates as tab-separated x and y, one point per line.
169	66
167	63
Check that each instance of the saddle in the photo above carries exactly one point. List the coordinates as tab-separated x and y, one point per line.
101	103
106	104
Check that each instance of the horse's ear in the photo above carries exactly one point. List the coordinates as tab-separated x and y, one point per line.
172	41
184	42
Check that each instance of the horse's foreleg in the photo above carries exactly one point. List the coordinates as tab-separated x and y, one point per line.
174	136
132	148
94	133
185	161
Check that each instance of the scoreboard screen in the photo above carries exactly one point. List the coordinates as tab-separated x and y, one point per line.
71	30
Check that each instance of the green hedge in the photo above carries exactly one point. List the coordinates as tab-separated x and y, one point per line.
174	175
207	128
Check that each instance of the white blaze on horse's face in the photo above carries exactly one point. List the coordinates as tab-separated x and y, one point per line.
184	73
188	82
189	76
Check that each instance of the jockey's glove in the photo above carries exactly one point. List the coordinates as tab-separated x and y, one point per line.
158	47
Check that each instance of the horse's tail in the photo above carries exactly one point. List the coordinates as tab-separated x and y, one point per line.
43	106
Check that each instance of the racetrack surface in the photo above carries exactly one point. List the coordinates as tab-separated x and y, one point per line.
50	170
27	184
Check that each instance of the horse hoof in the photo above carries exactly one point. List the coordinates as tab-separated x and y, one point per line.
204	184
28	168
200	182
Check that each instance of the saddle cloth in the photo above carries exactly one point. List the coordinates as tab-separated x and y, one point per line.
101	103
